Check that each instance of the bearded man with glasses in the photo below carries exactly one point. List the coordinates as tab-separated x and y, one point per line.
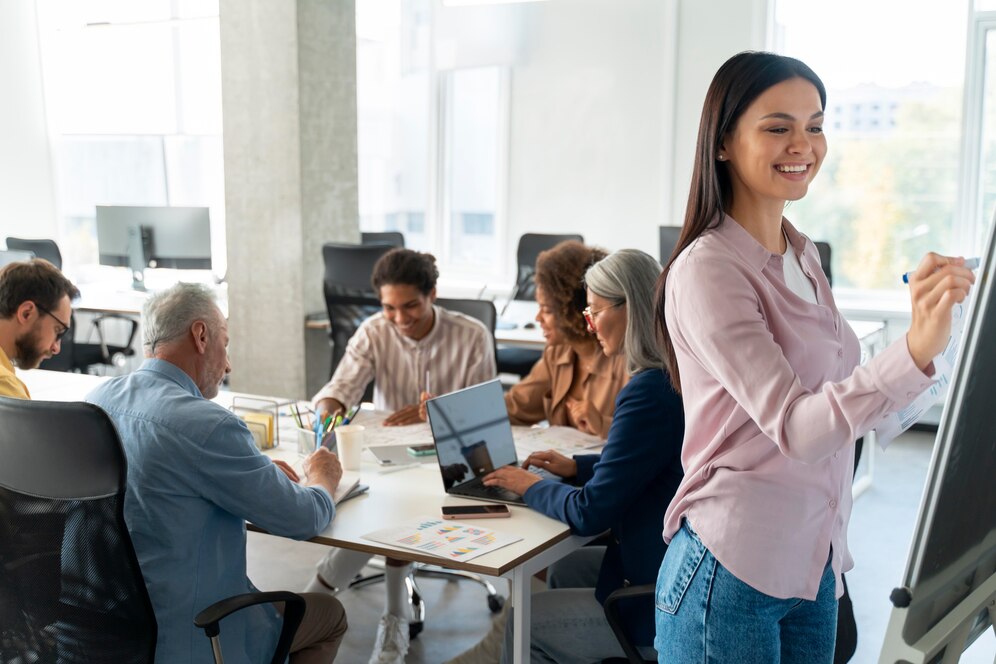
35	312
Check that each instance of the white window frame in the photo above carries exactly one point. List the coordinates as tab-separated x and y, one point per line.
440	195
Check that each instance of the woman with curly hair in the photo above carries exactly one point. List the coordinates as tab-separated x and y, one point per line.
574	384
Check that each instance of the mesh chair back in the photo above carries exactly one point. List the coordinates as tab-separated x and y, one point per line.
825	256
530	246
46	249
393	238
70	586
668	241
349	297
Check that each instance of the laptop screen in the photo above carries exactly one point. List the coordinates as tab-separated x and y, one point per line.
472	432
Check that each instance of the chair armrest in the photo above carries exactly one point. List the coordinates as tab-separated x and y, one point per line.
614	618
98	322
209	618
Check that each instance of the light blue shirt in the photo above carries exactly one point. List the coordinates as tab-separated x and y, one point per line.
194	479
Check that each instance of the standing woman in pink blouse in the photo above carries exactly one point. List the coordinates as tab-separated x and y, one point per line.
768	369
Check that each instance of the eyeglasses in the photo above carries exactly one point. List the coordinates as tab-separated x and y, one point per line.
65	326
589	315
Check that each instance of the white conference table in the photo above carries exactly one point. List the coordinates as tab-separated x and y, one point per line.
394	498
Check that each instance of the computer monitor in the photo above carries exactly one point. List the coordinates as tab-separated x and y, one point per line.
147	236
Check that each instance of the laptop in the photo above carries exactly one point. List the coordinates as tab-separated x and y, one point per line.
473	437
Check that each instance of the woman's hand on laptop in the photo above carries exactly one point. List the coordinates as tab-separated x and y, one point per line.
512	478
555	462
407	415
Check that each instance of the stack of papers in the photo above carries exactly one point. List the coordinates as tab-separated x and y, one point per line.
565	440
447	539
348	485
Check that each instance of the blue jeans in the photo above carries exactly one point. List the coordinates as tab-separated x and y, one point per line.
705	614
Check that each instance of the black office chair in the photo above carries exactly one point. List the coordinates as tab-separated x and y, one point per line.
825	256
46	249
393	238
71	589
482	310
13	256
668	241
349	297
520	361
80	356
614	615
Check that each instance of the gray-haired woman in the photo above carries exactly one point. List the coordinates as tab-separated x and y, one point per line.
626	488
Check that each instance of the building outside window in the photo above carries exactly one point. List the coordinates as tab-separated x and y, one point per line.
888	191
431	141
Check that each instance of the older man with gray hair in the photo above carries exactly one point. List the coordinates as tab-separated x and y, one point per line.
194	479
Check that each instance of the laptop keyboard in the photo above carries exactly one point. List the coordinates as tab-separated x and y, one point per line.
476	489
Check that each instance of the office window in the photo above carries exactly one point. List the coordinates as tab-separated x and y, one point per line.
431	140
473	135
393	98
888	191
134	103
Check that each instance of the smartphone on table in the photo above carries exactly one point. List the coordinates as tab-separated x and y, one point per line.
422	450
475	511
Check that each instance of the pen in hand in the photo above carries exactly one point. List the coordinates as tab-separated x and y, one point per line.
970	263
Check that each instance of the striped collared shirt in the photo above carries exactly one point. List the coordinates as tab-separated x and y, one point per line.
457	352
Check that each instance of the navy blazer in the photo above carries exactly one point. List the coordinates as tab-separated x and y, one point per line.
626	488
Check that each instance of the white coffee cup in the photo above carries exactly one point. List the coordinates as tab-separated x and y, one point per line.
349	444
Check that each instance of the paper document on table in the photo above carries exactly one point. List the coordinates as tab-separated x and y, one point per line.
563	439
446	539
896	423
375	434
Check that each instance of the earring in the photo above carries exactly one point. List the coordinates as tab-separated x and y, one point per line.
721	157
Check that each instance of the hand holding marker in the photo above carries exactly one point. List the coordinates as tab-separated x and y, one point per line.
970	263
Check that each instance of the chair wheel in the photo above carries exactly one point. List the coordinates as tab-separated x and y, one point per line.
495	602
414	629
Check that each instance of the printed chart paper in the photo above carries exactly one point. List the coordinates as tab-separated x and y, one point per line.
896	423
440	537
565	440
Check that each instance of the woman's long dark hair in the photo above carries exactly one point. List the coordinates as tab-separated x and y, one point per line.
741	80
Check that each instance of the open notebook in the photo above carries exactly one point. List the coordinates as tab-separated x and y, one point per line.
349	487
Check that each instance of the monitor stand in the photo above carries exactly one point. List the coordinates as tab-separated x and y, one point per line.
139	252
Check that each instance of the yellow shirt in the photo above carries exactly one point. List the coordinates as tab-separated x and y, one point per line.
10	384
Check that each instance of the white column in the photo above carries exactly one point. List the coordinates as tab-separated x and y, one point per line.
289	108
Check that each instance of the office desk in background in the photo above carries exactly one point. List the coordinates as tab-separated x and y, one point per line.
117	298
394	498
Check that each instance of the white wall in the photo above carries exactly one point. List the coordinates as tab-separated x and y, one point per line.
605	102
705	43
27	191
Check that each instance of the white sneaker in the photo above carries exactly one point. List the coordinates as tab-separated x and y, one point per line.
392	641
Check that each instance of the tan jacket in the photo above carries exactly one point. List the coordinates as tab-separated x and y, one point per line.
542	395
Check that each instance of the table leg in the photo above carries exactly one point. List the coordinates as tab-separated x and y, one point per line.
521	616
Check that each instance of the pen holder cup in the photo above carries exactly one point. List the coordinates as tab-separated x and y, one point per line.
305	441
